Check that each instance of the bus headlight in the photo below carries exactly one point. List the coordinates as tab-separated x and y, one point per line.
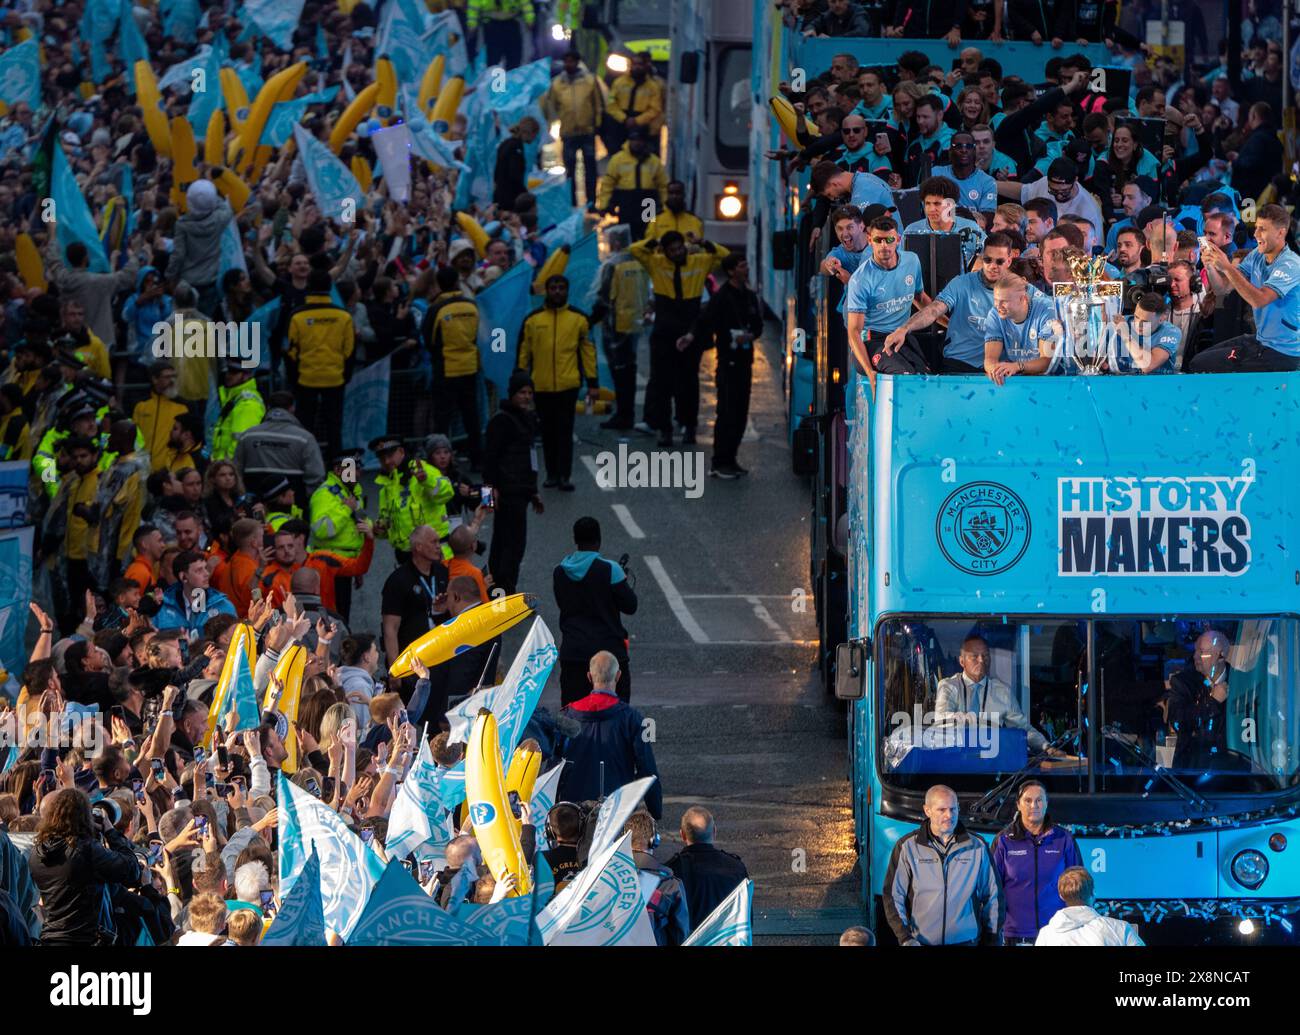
730	206
1250	869
618	63
558	34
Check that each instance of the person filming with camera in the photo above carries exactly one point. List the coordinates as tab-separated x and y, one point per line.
1266	280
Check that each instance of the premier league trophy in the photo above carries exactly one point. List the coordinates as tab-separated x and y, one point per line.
1087	310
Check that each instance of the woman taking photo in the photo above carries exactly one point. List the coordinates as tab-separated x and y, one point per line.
76	855
222	487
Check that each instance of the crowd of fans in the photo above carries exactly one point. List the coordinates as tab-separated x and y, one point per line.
1170	175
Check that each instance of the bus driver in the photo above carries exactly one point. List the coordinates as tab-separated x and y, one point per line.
973	692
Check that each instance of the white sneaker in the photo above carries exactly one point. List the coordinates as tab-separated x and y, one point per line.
644	428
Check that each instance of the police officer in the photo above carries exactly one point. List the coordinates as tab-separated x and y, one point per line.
77	420
450	333
621	301
411	493
242	407
336	508
280	503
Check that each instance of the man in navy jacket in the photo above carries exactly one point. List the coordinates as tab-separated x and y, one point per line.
1029	856
612	748
592	593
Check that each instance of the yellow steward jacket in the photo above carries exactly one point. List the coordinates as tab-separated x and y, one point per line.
450	333
665	275
626	173
555	348
321	341
154	418
578	103
643	101
683	222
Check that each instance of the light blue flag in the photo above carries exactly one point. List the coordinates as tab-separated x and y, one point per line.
502	307
75	223
322	48
505	923
568	232
15	580
204	102
349	869
615	810
442	27
731	923
553	204
543	892
301	919
240	695
20	74
251	76
545	793
181	74
98	23
425	142
400	913
212	408
181	19
321	96
144	939
11	757
284	116
263	321
602	905
275	19
515	699
337	193
583	271
410	822
131	46
403	39
365	408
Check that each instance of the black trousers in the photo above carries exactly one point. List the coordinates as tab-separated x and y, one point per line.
343	596
674	381
503	39
570	148
574	685
1243	355
956	366
620	353
74	607
459	395
326	406
909	359
734	380
555	412
509	540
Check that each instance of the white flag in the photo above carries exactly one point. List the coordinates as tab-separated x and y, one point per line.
614	812
393	148
602	905
514	700
731	923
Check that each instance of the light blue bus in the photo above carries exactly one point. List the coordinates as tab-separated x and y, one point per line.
1089	529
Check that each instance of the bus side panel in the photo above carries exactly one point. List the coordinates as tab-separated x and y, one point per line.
1182	866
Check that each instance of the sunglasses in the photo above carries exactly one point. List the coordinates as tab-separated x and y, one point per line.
883	240
849	129
962	147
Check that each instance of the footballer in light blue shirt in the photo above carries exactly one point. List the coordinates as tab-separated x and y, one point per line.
941	218
1148	343
1019	329
1267	280
967	301
843	260
880	294
976	189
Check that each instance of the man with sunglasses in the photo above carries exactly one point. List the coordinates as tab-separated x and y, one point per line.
859	154
966	301
878	300
976	189
1061	185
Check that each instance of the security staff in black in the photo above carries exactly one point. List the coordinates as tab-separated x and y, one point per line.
510	467
731	323
678	278
450	333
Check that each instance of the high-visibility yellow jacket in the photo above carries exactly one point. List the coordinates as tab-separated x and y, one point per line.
578	103
663	272
154	418
242	408
321	340
683	222
406	502
625	292
643	102
626	172
450	333
555	348
479	11
333	526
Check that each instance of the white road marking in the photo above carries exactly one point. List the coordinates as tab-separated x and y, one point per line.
589	462
765	616
675	601
625	516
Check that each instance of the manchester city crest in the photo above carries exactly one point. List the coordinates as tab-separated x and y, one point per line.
983	528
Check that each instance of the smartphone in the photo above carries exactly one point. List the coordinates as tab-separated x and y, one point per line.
48	780
515	806
137	786
200	756
313	788
139	797
329	788
223	756
426	870
402	717
155	853
201	825
223	790
209	780
159	770
367	834
487	497
117	711
268	902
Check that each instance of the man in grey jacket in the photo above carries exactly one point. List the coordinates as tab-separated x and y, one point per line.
77	283
196	244
941	888
280	447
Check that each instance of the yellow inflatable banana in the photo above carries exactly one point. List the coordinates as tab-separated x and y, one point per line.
555	263
236	98
469	629
361	170
386	77
184	151
279	87
30	266
214	137
448	101
489	805
785	114
352	116
473	229
231	187
150	100
241	641
431	82
524	767
287	678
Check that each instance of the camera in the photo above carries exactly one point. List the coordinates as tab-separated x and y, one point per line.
1153	278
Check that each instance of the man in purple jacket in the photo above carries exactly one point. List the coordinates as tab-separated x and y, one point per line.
1029	856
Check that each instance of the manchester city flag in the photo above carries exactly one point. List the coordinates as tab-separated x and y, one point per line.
515	699
337	192
301	919
731	923
400	913
20	75
603	904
